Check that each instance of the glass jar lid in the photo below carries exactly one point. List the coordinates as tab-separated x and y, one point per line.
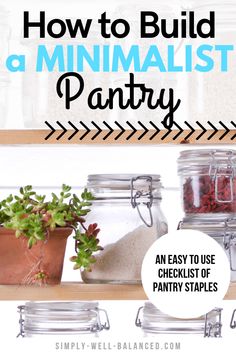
212	224
211	161
61	318
122	182
121	185
154	321
138	190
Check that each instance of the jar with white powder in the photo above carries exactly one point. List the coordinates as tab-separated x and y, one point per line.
127	210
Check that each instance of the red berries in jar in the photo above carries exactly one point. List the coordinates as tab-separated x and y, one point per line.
204	194
208	181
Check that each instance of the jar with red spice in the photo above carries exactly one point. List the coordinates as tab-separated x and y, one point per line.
208	181
221	227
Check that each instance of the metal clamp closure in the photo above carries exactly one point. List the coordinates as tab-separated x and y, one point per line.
213	329
106	324
21	321
229	241
180	224
229	244
138	321
139	193
233	320
215	169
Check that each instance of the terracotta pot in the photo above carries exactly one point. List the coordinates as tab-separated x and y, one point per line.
20	265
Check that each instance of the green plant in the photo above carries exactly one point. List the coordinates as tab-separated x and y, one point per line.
31	216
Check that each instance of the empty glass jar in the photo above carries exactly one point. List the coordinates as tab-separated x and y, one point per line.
221	227
127	210
208	181
61	318
153	321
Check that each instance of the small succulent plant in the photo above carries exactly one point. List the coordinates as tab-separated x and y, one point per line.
31	216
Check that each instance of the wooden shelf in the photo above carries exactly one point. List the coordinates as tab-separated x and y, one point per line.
80	291
37	136
231	294
72	291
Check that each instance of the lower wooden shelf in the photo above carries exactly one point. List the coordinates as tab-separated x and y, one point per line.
80	291
72	291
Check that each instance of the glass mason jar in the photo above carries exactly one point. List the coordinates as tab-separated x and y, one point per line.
208	181
211	94
127	210
61	318
221	227
153	321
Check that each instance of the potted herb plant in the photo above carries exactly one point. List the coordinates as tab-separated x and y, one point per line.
34	232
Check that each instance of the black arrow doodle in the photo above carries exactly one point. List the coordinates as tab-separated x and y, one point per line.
76	130
122	130
203	130
215	131
110	132
180	131
156	132
63	128
52	131
166	134
133	132
99	130
145	130
234	136
169	130
226	130
87	130
192	130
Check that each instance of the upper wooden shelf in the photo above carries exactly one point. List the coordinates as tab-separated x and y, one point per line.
36	136
80	291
